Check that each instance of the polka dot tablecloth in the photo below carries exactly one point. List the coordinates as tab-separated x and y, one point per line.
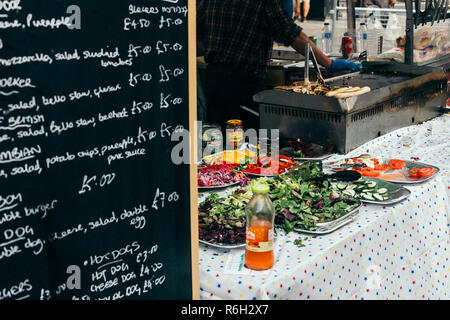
394	252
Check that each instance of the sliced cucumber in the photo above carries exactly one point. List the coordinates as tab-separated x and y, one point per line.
371	184
382	190
378	196
342	186
369	197
349	192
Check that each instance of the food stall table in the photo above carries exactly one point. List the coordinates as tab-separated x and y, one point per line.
392	252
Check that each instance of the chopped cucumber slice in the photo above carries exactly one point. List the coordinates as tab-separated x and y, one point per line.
349	192
382	190
369	197
378	196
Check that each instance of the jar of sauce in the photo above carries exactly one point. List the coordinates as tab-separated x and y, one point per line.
234	134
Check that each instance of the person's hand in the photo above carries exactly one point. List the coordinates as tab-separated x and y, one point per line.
342	65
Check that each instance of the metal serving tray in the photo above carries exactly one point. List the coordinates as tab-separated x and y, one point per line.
396	192
329	227
216	188
222	246
321	158
405	178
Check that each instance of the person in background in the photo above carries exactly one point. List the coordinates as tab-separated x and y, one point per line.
289	6
306	7
236	38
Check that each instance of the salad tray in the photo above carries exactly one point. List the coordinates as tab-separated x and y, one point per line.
394	192
215	188
330	227
404	178
222	246
398	176
230	246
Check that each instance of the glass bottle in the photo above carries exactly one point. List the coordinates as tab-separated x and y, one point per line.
234	134
260	214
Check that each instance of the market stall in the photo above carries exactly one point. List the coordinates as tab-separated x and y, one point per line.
360	190
397	251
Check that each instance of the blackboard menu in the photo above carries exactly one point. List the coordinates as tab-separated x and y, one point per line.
94	201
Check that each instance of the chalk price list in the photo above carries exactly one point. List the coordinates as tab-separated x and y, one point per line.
33	116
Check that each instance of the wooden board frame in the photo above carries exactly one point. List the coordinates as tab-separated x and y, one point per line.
192	66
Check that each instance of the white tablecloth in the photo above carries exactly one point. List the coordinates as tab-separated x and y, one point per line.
395	252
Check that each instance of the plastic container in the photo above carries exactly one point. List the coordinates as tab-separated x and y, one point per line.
362	37
326	38
260	214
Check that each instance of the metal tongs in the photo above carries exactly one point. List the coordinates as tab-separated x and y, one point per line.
320	79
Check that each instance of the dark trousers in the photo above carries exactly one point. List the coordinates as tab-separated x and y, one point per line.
227	90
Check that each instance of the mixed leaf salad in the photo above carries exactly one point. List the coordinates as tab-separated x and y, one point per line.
222	218
302	199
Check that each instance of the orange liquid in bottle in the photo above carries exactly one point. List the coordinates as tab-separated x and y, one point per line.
259	250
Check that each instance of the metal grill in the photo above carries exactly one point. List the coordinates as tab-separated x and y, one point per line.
349	123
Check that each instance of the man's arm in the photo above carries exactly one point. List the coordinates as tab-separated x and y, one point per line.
286	31
299	44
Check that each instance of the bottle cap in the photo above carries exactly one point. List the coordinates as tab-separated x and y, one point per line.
260	188
234	122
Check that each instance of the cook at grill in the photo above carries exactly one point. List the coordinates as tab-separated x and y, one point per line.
236	37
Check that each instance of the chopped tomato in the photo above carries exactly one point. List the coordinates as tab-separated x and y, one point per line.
426	172
414	173
381	167
396	164
369	172
375	161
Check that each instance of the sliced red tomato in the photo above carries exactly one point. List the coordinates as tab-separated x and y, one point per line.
414	173
426	172
369	172
396	164
381	167
375	161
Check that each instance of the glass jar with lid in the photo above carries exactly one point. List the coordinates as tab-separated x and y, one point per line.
234	134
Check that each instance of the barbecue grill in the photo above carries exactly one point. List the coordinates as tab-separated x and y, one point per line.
400	95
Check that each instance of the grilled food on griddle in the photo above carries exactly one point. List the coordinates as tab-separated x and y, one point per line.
315	88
